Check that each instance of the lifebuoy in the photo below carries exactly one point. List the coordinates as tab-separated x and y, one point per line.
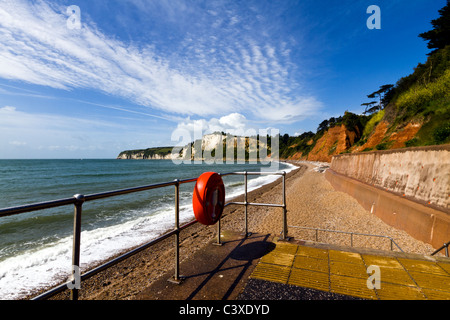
208	199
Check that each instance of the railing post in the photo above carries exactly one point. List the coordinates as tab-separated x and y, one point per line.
246	204
445	246
176	277
284	232
285	227
75	286
219	240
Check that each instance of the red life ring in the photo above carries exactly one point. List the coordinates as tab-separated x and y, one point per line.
208	199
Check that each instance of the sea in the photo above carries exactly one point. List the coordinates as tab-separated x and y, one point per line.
36	247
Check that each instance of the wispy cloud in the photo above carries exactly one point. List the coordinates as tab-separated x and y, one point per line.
224	68
25	134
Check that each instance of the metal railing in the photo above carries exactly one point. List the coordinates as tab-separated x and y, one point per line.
351	235
78	200
246	203
444	246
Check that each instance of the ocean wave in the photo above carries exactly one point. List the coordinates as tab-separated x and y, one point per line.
50	263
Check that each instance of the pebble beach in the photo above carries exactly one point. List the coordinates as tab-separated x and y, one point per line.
311	202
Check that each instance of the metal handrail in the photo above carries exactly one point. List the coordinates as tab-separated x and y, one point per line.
445	245
351	235
78	201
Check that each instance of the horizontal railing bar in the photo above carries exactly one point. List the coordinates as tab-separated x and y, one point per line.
445	245
266	204
51	292
339	231
187	180
127	191
36	206
255	204
58	203
252	173
352	233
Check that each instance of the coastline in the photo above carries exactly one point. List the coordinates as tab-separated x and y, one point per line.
311	202
120	281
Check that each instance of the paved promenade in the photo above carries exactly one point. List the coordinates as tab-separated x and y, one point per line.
260	267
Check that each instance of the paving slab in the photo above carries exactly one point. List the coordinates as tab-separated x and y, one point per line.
261	267
214	272
349	272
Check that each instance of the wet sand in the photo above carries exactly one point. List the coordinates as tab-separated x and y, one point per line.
311	202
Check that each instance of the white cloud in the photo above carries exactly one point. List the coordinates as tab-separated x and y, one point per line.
218	75
7	109
25	135
18	143
233	123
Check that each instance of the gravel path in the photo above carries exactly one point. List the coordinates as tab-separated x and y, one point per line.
313	202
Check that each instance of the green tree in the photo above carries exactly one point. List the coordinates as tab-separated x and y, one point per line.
368	106
381	93
439	36
323	126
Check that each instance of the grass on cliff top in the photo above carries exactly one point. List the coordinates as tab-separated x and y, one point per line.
430	104
420	98
371	124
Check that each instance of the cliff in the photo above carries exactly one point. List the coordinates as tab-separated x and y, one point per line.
413	113
336	140
162	153
210	146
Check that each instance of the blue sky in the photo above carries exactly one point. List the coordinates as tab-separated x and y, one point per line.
138	70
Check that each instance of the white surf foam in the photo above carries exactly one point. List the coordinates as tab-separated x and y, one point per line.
50	265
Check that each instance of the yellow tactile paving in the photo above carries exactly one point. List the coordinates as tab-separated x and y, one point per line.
346	273
286	248
445	266
271	272
348	269
311	263
309	279
389	291
429	267
313	252
351	286
396	276
350	257
381	261
437	282
436	294
279	258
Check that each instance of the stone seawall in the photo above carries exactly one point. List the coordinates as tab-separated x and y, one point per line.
422	174
407	188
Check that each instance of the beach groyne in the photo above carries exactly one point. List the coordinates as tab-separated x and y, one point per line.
407	188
